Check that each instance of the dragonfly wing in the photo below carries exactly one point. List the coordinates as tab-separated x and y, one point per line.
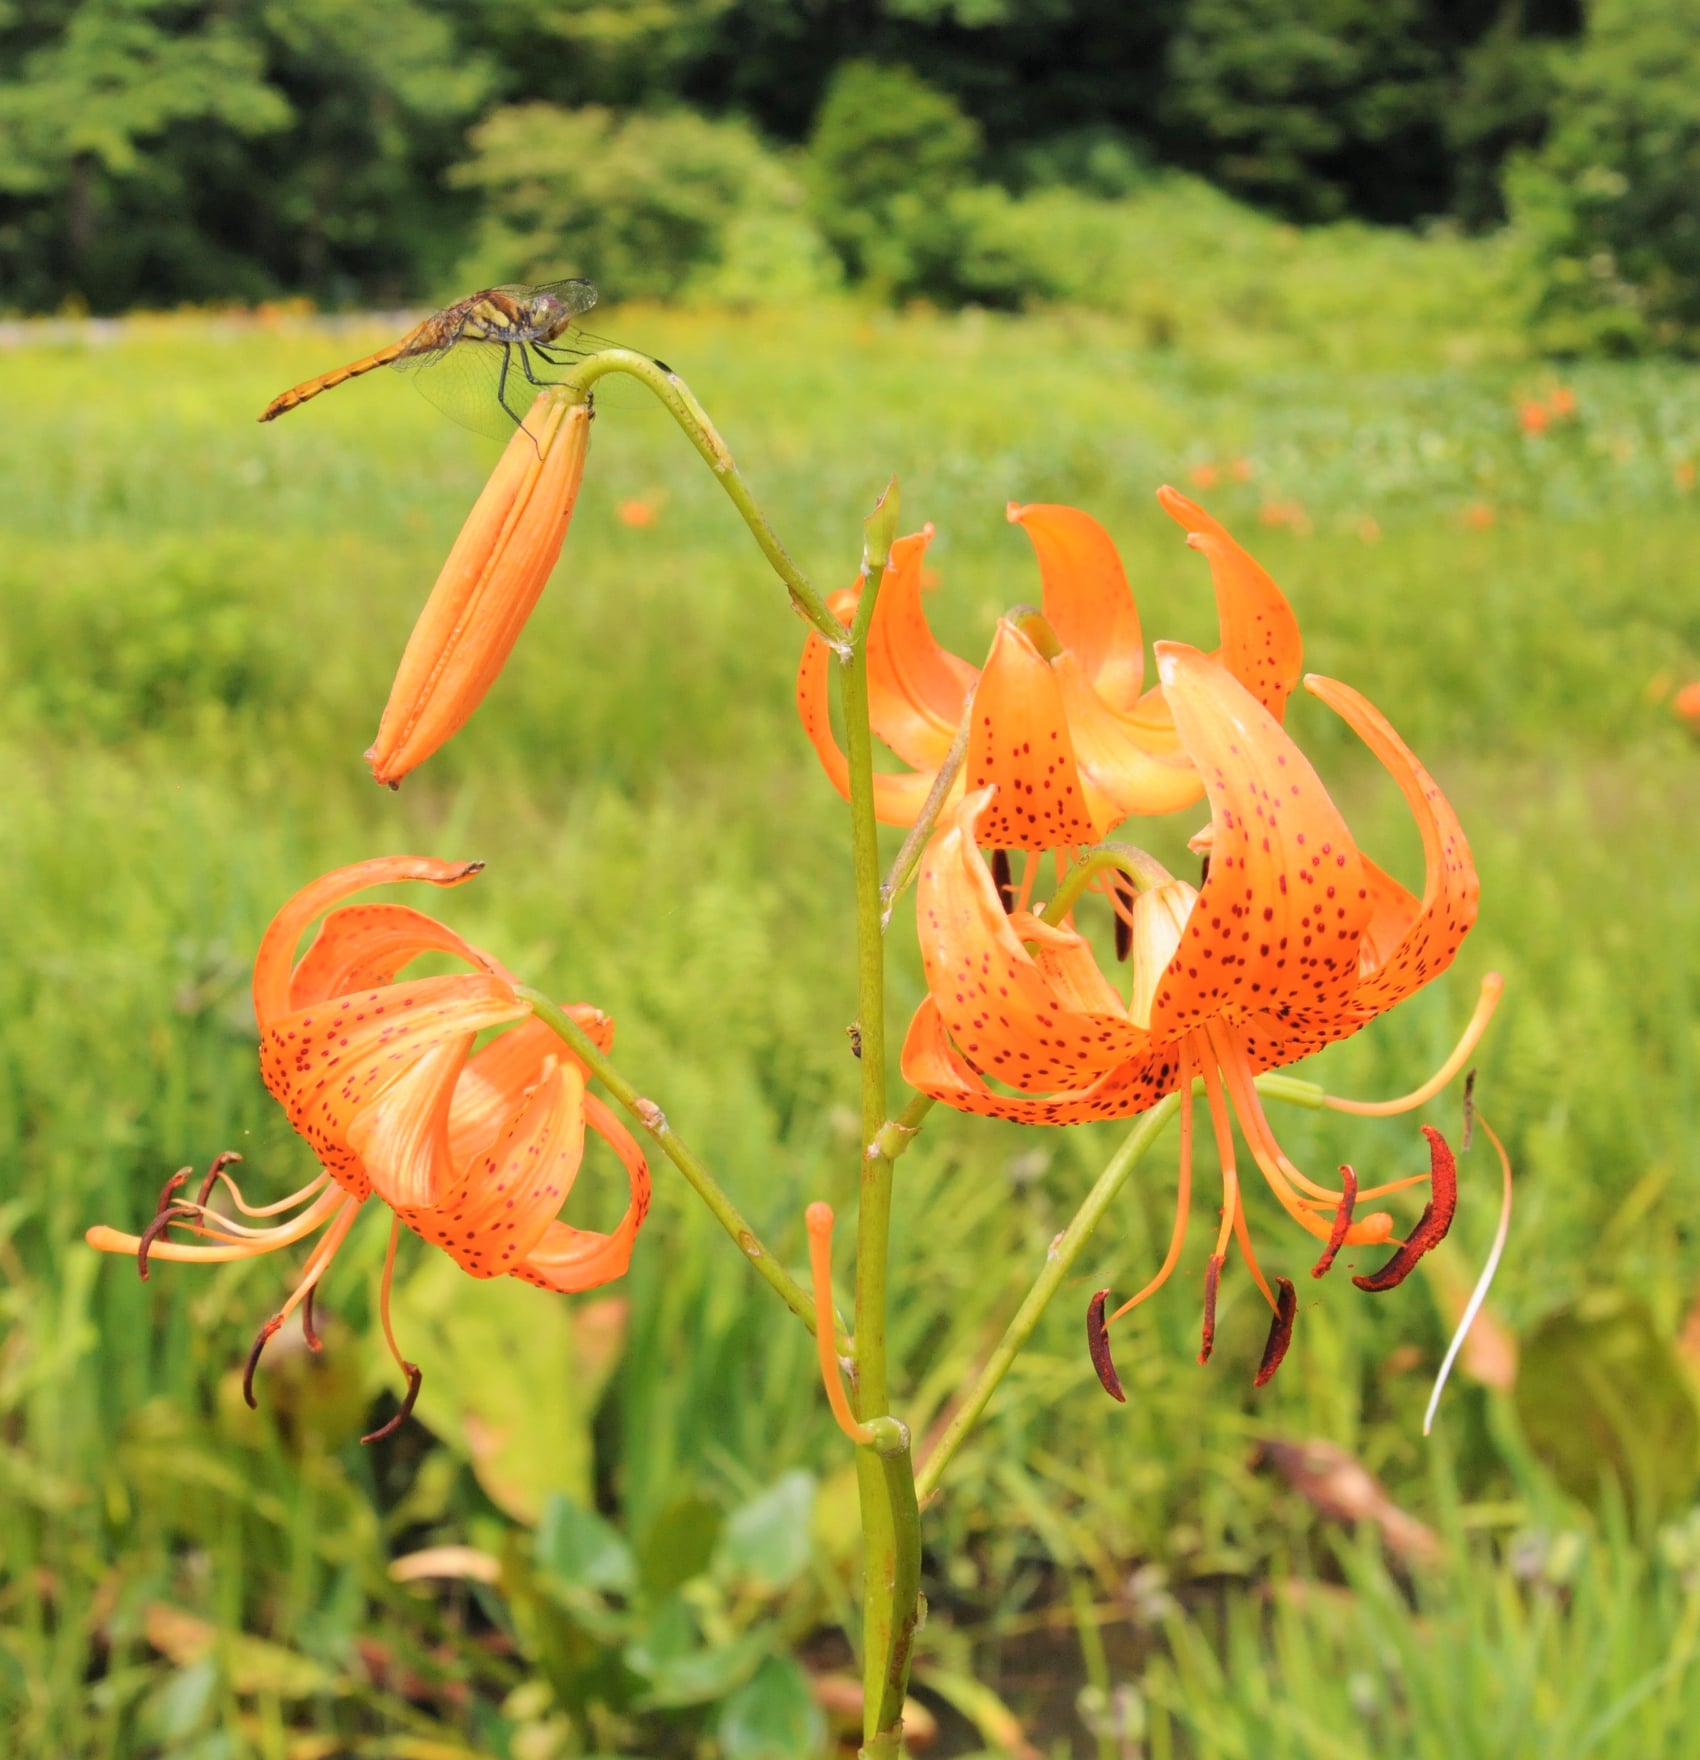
577	295
480	384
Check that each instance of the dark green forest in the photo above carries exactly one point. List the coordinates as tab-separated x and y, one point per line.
154	152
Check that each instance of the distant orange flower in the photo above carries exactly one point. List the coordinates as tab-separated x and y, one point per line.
487	588
1242	470
1682	474
1479	516
475	1153
1685	706
1060	719
1295	940
1562	402
1291	514
1533	416
1205	476
1369	529
637	513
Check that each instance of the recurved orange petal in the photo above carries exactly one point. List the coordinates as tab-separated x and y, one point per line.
1127	765
1277	924
1430	941
1019	743
569	1259
932	1064
898	796
1260	634
404	1143
916	689
274	963
363	945
329	1061
998	1005
495	1080
502	1204
1086	597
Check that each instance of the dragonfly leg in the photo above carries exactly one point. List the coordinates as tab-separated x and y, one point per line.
502	383
525	364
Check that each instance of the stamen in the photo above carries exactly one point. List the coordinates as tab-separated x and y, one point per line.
1483	1283
1098	1347
1342	1221
1493	987
818	1217
1280	1332
1432	1225
1003	880
415	1379
1183	1192
1124	895
1242	1233
308	1331
415	1376
165	1213
222	1160
259	1344
1469	1112
1212	1282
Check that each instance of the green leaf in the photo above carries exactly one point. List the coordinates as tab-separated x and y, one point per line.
681	1674
769	1540
577	1547
773	1716
512	1379
1604	1402
679	1545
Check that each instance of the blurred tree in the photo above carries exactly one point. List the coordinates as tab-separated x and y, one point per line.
888	154
175	149
99	90
1311	106
1607	205
643	204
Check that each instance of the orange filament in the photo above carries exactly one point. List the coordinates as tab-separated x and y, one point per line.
1493	987
411	1370
1183	1195
819	1220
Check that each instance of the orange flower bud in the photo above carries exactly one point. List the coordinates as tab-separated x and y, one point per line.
487	588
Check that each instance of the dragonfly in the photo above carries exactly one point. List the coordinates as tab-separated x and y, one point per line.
472	357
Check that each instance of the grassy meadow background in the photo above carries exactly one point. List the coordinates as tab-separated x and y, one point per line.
199	618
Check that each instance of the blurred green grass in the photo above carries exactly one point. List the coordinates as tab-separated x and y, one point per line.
198	622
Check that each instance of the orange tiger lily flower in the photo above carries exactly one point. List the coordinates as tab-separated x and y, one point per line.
492	579
474	1152
1295	939
1059	722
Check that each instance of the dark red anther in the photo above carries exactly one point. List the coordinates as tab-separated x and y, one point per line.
165	1213
1126	896
1280	1331
308	1331
1342	1221
404	1411
1469	1112
1212	1282
1432	1225
259	1345
225	1158
1003	879
1098	1346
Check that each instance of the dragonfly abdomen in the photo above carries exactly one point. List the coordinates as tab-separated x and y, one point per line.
287	400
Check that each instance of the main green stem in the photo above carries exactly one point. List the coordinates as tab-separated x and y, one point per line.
891	1523
680	402
1059	1261
702	1182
